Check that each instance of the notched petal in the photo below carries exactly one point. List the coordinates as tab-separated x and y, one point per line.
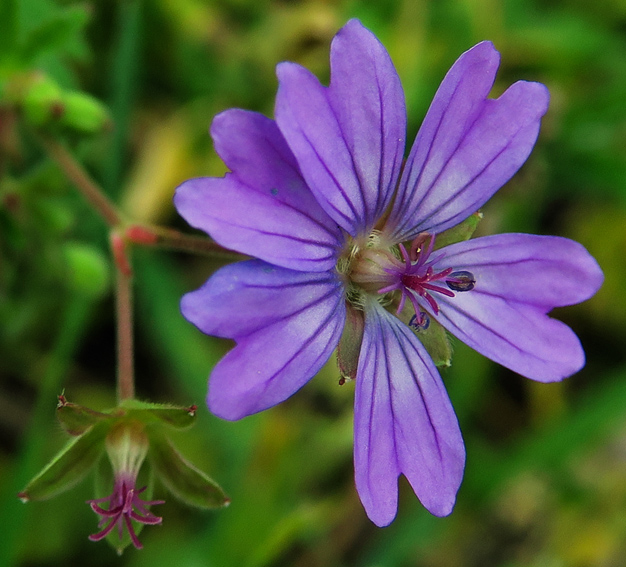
468	146
286	325
519	278
348	138
404	422
263	207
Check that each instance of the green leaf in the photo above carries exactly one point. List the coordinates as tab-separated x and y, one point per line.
187	483
69	466
8	26
54	33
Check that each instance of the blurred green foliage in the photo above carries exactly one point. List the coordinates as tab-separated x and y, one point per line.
545	481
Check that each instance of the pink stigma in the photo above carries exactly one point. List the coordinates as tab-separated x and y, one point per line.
124	505
416	277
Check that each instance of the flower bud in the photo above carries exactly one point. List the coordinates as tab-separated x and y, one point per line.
84	113
43	101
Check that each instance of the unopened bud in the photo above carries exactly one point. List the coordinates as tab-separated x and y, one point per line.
43	101
84	113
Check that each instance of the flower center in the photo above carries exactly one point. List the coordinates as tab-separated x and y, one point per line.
377	270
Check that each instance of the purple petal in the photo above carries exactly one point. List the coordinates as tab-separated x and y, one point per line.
286	324
519	278
263	208
467	147
348	138
403	422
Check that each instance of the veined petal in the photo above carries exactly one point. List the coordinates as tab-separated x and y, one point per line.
403	422
519	278
468	146
263	208
286	324
348	138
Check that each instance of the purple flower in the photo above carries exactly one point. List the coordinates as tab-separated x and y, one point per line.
127	447
345	241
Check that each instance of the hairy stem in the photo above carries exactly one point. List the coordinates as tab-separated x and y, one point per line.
86	185
124	313
175	240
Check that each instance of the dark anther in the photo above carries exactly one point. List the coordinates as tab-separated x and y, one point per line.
461	281
420	324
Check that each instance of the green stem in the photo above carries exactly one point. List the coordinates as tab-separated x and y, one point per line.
148	236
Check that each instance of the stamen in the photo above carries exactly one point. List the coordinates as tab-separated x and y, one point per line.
461	281
410	272
420	323
418	278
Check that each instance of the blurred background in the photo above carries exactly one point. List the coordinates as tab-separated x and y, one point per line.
545	482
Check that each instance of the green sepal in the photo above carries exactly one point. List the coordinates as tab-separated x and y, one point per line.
176	417
187	483
459	233
434	338
69	466
349	346
76	419
436	342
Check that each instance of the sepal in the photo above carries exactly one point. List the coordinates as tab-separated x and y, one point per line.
42	101
432	335
350	344
76	419
186	482
459	233
175	417
69	466
436	342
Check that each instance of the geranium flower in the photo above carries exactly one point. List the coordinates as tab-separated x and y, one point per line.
127	446
345	244
134	437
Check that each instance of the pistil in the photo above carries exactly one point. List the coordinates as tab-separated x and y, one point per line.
414	275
